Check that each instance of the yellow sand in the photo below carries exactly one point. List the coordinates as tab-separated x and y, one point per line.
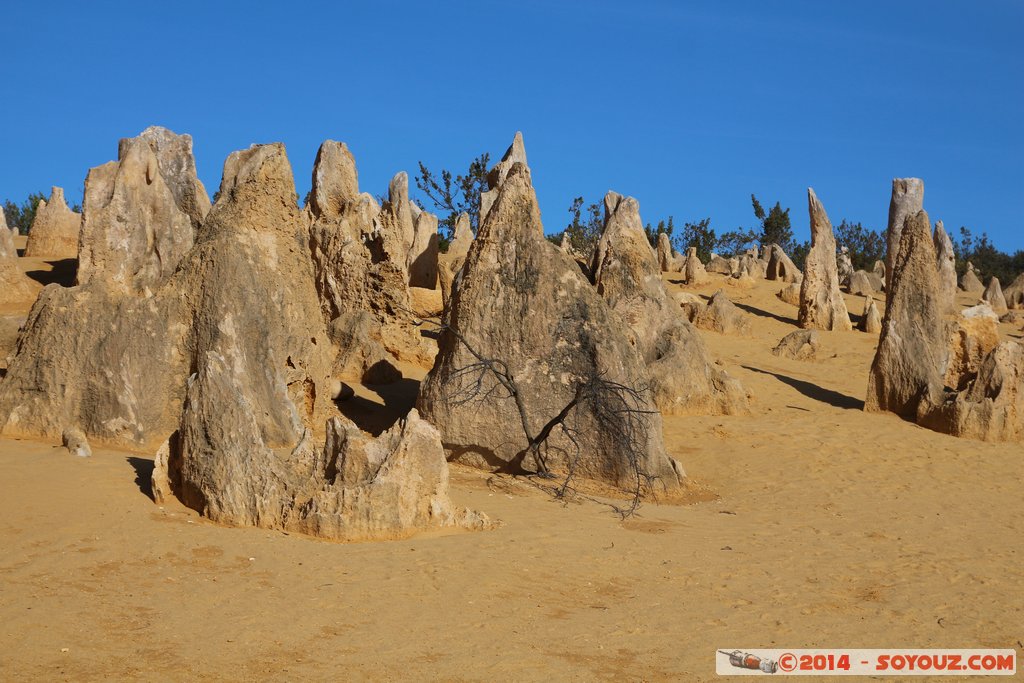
833	528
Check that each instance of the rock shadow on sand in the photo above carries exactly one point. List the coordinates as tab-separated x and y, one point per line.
811	390
63	273
765	314
143	475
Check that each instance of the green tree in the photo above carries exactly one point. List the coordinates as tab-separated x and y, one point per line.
455	194
986	258
736	241
584	228
700	235
864	246
21	217
775	225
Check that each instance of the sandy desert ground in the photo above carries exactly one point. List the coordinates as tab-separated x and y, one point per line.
820	525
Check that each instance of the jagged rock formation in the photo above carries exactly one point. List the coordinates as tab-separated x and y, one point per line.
236	390
907	200
721	315
7	247
871	320
972	337
780	266
141	212
991	408
525	303
911	356
970	282
683	378
54	231
994	296
359	256
799	345
693	270
821	303
946	263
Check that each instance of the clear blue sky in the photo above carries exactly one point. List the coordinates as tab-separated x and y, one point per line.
690	107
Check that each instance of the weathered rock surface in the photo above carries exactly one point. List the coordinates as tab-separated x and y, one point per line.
973	336
780	266
994	296
946	263
1014	293
991	408
693	270
14	284
799	345
860	284
790	293
76	443
722	315
423	254
871	320
54	231
821	303
235	390
970	282
911	356
844	265
666	259
683	377
717	264
358	253
523	302
141	212
907	200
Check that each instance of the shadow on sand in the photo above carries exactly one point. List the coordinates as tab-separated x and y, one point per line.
63	273
810	390
143	474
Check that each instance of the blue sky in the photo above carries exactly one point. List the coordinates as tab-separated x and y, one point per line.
690	107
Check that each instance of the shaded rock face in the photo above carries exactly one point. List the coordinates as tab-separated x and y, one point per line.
141	212
521	300
235	390
871	320
359	258
54	231
907	200
449	264
860	283
972	337
911	356
991	408
722	315
970	282
683	377
1014	294
821	303
946	263
994	296
422	260
780	266
799	345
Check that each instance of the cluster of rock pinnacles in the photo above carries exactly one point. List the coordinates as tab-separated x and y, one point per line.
219	336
